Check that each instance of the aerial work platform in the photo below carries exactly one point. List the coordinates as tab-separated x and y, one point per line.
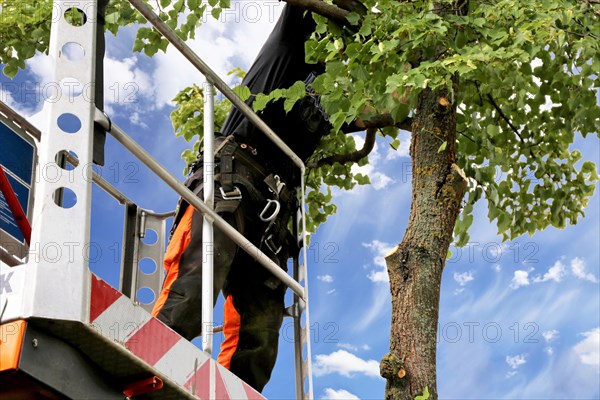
121	347
66	333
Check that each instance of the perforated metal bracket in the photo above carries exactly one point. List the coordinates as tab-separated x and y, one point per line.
137	275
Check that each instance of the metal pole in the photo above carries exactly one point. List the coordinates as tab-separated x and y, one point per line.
303	273
199	205
212	77
207	226
110	189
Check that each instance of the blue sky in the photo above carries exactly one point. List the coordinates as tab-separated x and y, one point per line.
518	320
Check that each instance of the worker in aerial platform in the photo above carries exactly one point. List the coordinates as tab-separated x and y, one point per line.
255	191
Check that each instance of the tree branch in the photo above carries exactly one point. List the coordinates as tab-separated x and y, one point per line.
349	157
380	121
352	6
504	117
324	9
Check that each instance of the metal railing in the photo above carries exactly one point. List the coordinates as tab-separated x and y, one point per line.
303	367
137	221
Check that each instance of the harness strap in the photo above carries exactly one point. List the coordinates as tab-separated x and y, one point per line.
226	167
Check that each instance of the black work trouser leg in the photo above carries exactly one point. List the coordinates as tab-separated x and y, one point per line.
182	310
260	312
259	307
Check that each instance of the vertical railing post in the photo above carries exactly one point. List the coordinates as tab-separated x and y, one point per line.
207	226
303	338
60	241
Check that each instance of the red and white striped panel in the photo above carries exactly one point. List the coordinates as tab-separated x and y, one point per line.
118	318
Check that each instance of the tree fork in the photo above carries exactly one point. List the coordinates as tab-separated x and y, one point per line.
415	266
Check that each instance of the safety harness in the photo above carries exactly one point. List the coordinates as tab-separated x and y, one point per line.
238	173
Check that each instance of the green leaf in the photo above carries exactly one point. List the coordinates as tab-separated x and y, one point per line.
243	92
10	70
238	72
260	102
400	111
353	18
492	130
504	221
442	147
216	12
38	33
589	167
424	396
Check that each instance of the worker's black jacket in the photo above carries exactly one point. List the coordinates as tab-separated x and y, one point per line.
281	63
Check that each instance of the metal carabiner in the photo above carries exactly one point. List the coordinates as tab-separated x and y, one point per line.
270	203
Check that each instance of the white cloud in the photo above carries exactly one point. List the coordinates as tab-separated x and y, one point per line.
345	364
135	119
341	394
37	119
495	250
380	180
379	306
458	291
463	278
555	273
588	349
520	278
325	278
578	267
497	267
549	350
516	361
125	83
331	291
8	98
550	335
218	44
351	347
510	374
378	276
347	346
380	249
42	66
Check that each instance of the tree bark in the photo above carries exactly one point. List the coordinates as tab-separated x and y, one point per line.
415	266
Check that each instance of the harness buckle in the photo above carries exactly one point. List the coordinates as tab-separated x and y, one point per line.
234	194
274	184
279	184
271	245
270	204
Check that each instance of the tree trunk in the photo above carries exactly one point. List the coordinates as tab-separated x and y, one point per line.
415	266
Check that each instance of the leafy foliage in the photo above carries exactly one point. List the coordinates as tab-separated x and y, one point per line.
528	82
24	29
188	117
25	26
